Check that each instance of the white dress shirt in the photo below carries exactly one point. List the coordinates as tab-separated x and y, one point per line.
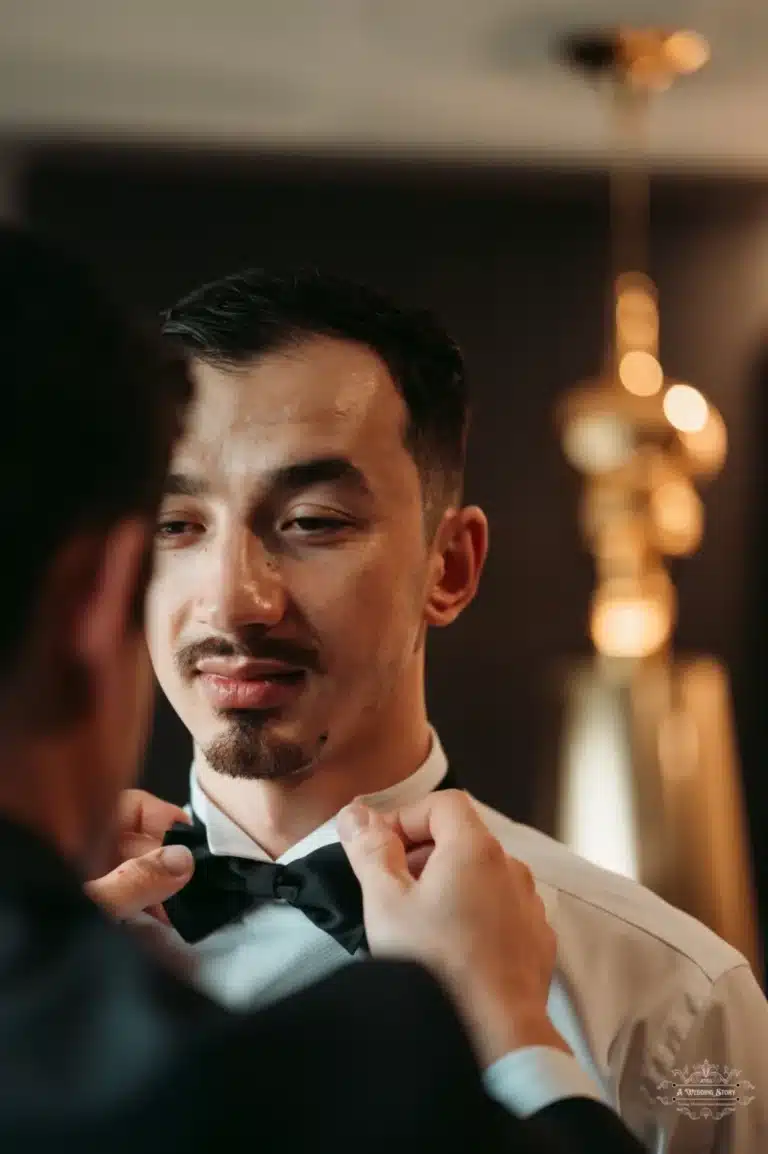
642	992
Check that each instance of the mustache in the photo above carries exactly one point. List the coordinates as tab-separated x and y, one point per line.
253	647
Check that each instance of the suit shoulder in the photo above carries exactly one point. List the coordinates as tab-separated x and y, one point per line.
592	900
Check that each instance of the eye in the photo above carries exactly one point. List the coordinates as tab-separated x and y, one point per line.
316	524
172	528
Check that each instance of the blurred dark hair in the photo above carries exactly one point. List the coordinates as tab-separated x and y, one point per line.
90	409
244	316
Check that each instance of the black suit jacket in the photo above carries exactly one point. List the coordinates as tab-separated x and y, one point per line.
104	1052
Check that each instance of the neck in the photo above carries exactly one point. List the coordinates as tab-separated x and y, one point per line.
278	814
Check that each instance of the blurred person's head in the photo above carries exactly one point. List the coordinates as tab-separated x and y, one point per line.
90	409
313	527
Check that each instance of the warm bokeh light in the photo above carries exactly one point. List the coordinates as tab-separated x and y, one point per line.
637	317
620	548
641	441
640	373
597	813
708	447
678	517
632	618
686	409
597	442
653	57
687	51
602	504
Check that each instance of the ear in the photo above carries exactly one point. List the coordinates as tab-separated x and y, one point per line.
107	614
459	552
85	611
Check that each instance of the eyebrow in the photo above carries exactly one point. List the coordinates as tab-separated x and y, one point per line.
319	471
184	485
292	478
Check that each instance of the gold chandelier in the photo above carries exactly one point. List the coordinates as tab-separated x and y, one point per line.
641	440
647	770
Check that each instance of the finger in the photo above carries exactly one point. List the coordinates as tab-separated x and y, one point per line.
375	852
418	858
136	845
448	815
139	812
159	914
130	846
521	874
143	882
139	825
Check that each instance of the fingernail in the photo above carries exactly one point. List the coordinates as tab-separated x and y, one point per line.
353	819
177	859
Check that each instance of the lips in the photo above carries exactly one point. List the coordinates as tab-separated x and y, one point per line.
246	684
245	668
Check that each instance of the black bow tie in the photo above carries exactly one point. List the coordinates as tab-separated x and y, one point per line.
223	888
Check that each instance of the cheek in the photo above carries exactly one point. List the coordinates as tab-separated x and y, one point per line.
360	610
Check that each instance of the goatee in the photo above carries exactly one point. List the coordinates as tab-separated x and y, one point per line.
247	751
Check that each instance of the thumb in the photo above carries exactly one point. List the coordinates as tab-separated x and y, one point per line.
375	852
143	881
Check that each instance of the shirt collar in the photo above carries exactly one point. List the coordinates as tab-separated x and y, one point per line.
226	837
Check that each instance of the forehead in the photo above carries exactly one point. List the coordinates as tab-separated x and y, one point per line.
322	396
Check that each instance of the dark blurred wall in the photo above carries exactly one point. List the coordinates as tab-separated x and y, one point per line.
515	265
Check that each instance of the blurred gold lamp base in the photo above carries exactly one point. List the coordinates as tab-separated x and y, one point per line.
646	783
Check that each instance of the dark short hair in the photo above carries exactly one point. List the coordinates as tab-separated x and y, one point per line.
241	317
90	409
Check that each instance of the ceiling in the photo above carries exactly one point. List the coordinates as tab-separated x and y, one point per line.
476	79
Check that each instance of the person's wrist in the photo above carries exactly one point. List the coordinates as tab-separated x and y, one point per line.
500	1027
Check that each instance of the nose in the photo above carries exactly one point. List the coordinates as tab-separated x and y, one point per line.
242	586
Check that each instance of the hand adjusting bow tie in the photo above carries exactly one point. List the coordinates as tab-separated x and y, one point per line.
223	888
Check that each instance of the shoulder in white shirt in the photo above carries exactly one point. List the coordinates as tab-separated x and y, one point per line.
643	993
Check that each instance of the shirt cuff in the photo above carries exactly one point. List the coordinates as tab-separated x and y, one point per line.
529	1079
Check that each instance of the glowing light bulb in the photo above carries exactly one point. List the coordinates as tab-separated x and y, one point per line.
688	51
597	442
632	618
686	409
677	517
640	373
637	317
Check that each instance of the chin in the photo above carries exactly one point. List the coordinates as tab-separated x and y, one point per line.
266	749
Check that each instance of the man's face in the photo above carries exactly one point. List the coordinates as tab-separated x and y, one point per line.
286	612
